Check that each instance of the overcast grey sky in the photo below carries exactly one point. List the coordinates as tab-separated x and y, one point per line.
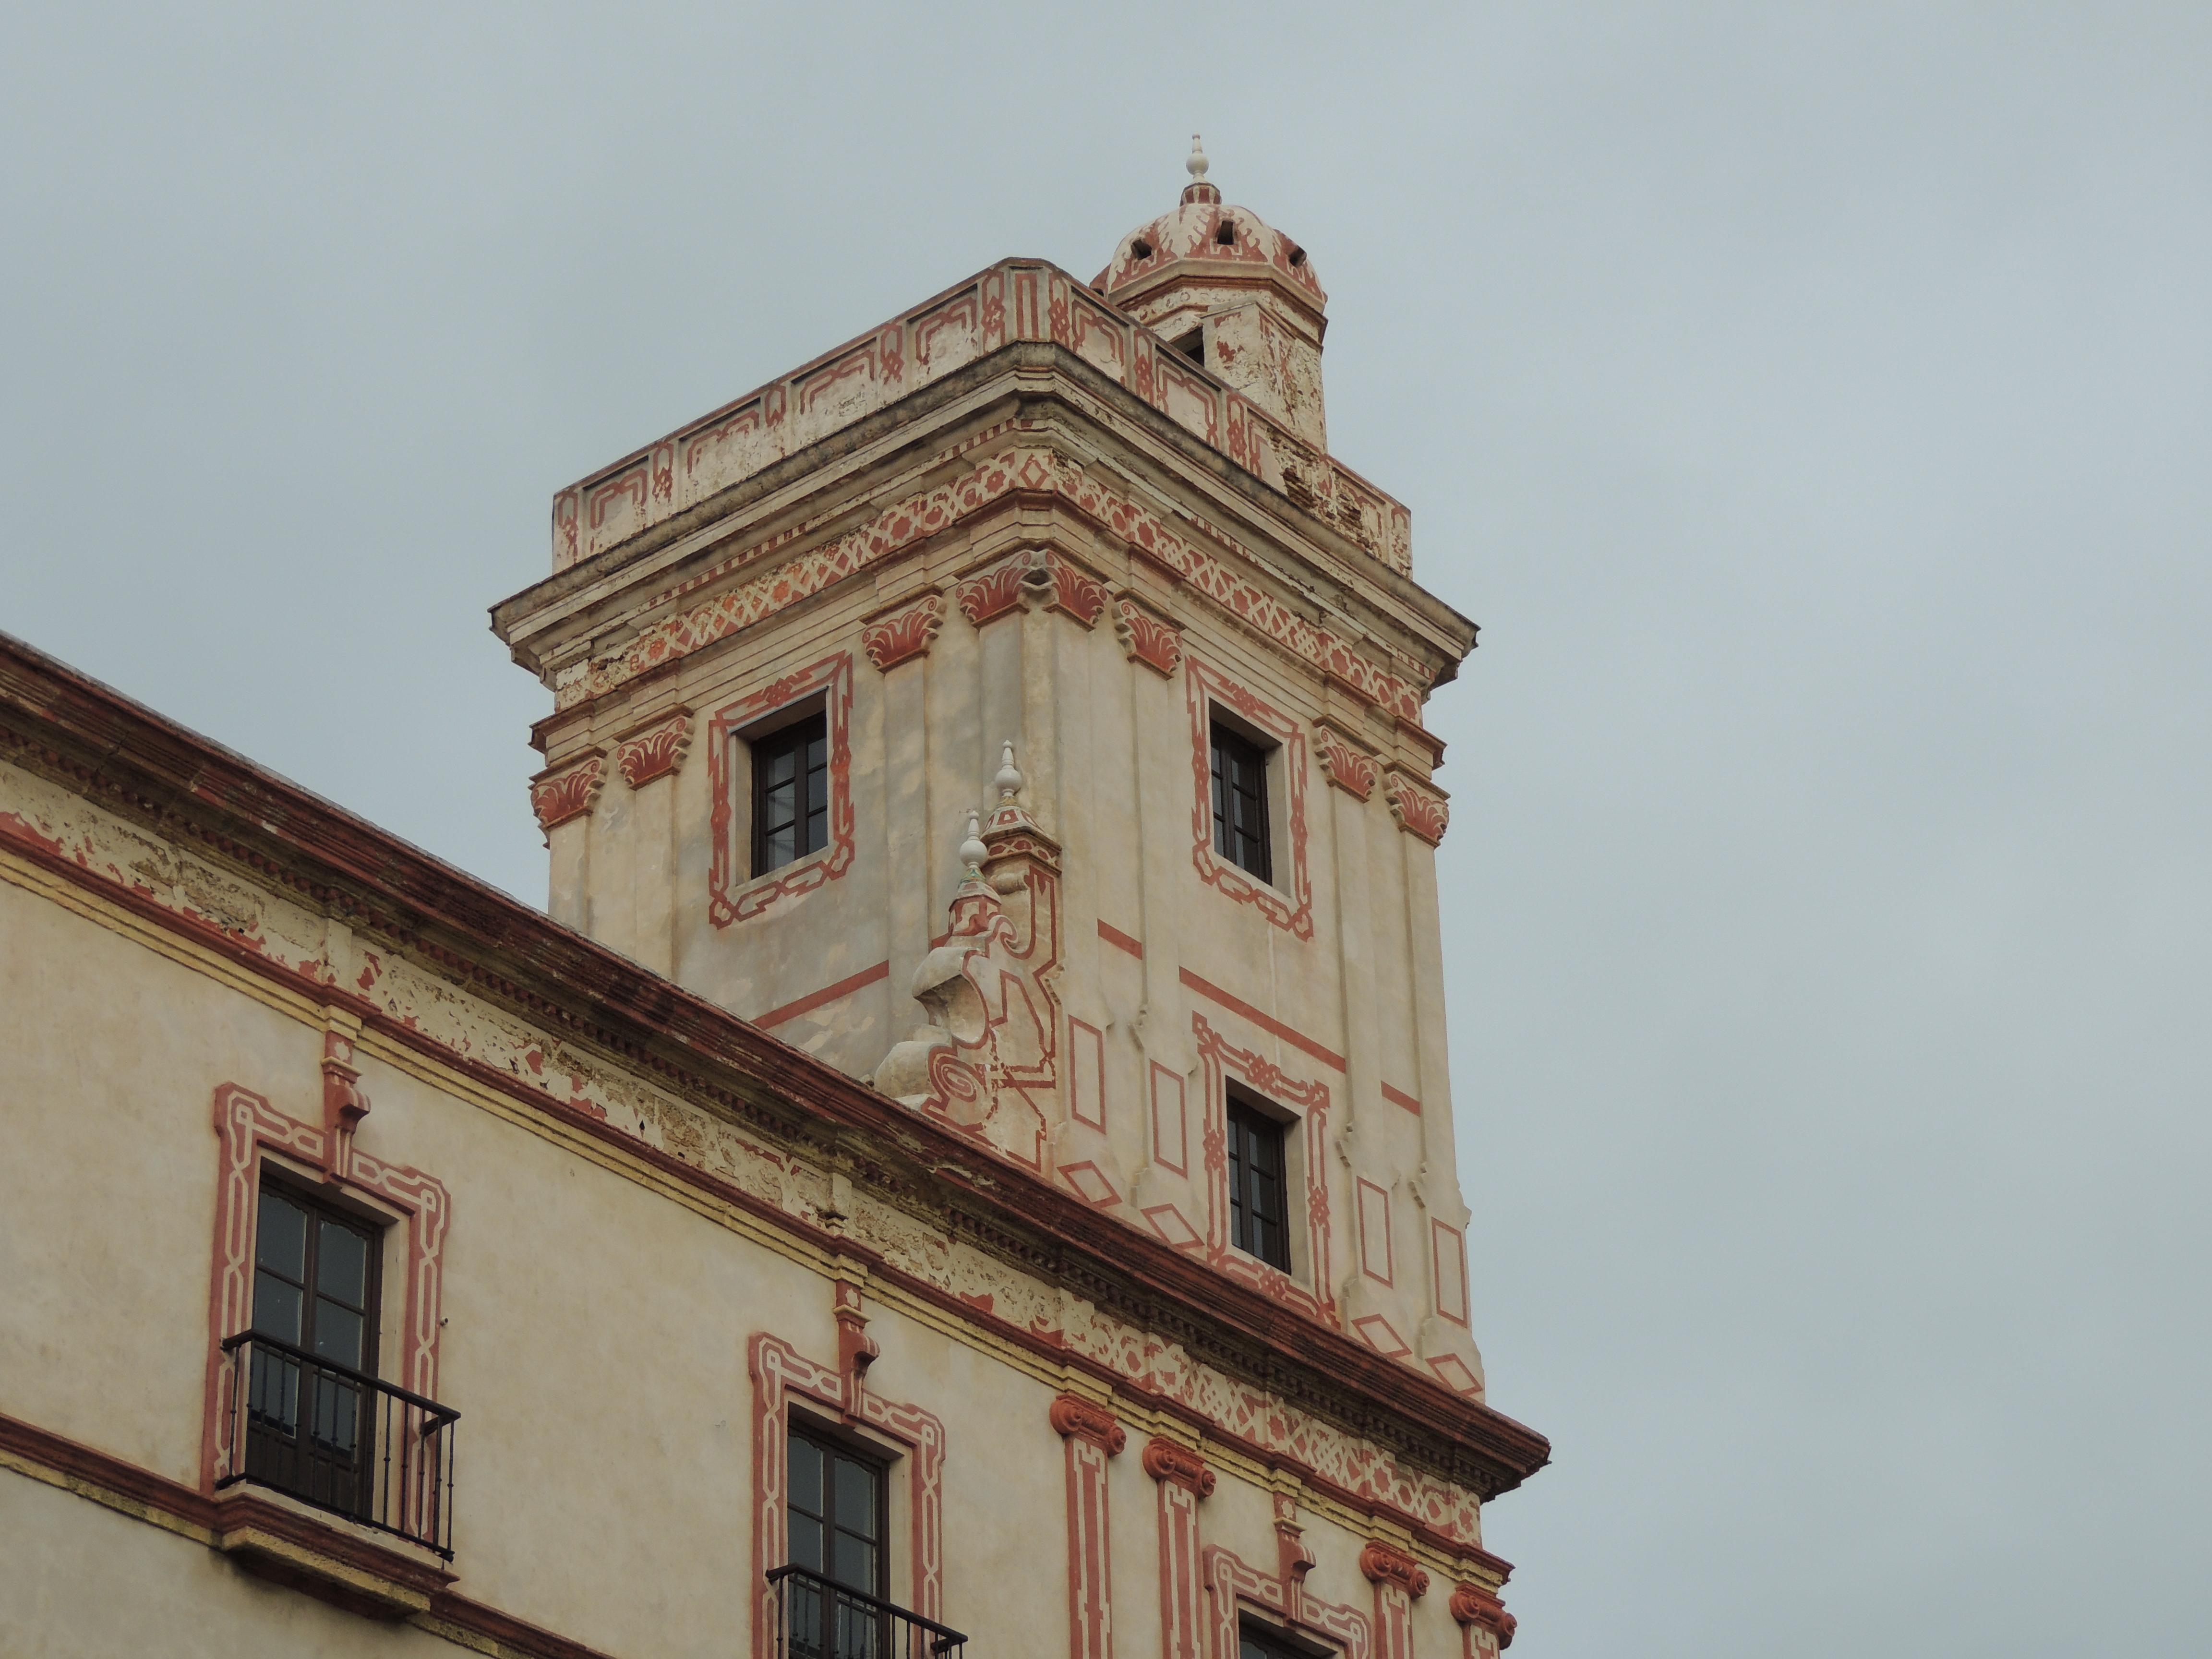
1811	401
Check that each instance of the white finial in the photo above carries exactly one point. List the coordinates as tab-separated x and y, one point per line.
1197	164
972	850
1009	779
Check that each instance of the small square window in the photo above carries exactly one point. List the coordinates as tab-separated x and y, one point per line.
1259	1184
791	792
1240	802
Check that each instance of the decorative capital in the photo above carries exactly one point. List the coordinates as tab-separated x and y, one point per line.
1147	639
656	751
1471	1604
1069	591
1170	1461
559	796
993	593
1386	1564
1072	1415
900	636
1420	810
1345	766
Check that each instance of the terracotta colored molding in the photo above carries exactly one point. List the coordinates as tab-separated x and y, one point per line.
1170	1460
654	750
904	634
1119	940
561	793
827	994
993	593
1266	1022
1400	1097
1072	1414
1090	1435
1345	766
1476	1608
1420	810
1385	1563
1146	638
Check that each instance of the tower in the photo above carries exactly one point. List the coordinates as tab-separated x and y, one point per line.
1018	706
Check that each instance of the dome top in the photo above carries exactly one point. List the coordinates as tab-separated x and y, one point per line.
1204	239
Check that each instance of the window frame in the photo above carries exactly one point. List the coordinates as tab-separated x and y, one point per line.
1232	746
1244	1113
801	1429
1273	1642
794	729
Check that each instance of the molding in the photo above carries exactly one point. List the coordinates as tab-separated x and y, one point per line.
1290	910
655	750
1486	1624
1220	1059
1090	1436
902	633
1147	638
779	1374
1183	1479
1399	1582
827	994
1232	1582
1266	1022
1421	809
561	792
1345	763
731	897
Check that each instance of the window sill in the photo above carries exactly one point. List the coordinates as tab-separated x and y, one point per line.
325	1556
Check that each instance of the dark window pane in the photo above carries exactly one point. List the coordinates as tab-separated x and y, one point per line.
806	1541
854	1564
805	1475
275	1307
341	1264
790	794
1259	1197
1240	802
281	1239
339	1332
856	1497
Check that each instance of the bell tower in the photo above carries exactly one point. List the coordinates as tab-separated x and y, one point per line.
1020	708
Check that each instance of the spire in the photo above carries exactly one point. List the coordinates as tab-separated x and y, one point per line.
1198	190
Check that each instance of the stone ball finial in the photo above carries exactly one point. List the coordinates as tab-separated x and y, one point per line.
1196	165
972	850
1009	779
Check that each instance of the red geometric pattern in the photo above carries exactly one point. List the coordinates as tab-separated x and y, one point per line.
1221	1058
1207	687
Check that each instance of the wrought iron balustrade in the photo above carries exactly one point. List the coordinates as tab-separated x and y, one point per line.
341	1440
818	1618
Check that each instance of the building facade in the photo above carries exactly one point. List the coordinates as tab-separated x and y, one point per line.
969	1158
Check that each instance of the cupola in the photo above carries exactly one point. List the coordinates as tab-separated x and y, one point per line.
1232	294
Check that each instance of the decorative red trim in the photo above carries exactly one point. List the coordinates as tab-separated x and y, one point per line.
560	794
656	751
1170	1128
1345	767
1229	1581
1119	940
1075	593
903	634
1267	1022
1183	1478
1090	1435
144	1490
1477	1610
1220	1058
1374	1221
1399	1581
1400	1097
779	1372
1146	638
1086	1073
1448	1247
993	593
813	1000
1420	810
728	898
249	1126
1292	911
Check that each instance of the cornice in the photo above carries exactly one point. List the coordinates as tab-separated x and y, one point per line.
136	762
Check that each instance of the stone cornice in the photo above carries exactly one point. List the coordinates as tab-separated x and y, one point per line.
133	763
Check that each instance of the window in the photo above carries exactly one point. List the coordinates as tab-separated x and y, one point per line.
310	1411
836	1514
1240	802
1258	1642
791	792
1191	345
1258	1190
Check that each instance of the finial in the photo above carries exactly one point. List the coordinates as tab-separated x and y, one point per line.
1009	779
1197	164
972	850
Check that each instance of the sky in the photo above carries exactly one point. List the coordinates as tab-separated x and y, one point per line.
1812	403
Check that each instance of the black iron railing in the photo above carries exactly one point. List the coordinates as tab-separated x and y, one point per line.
341	1440
819	1618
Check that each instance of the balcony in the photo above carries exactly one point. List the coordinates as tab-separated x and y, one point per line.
341	1440
818	1618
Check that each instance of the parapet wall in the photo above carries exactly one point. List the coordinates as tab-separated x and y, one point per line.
1015	299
